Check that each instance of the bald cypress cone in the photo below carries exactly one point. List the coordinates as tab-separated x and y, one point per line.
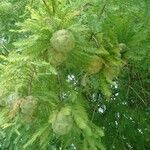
62	41
95	65
56	58
62	121
28	107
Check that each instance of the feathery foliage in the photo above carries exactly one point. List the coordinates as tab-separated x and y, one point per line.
74	74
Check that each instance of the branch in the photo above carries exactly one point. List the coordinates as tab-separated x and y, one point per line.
47	7
137	94
53	6
60	85
102	11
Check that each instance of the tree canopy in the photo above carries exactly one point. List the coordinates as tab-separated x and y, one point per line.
74	74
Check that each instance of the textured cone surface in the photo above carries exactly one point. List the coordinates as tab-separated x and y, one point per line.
56	58
15	107
122	47
62	41
62	123
96	65
28	107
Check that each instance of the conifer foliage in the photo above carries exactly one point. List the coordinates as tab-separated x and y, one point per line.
63	54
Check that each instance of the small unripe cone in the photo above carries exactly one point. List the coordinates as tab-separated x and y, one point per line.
56	58
122	47
15	108
62	123
95	65
62	41
28	107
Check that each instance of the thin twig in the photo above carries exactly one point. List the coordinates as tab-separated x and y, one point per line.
142	85
137	94
102	10
60	85
47	7
95	108
31	77
129	81
53	6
